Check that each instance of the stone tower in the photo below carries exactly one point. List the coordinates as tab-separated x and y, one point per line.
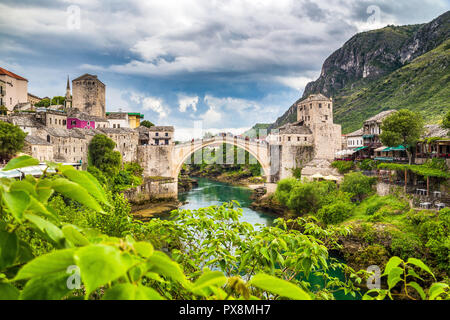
68	100
316	113
89	95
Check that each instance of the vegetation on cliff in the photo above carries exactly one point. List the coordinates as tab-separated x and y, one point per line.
397	67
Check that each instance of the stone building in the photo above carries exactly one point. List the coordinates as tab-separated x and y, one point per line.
14	89
32	99
155	136
38	148
355	139
88	95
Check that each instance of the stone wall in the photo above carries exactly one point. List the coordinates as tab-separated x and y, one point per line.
151	189
156	160
327	140
293	157
89	95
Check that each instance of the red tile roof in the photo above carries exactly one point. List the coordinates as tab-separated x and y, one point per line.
13	75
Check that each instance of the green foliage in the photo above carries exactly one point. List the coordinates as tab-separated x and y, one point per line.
3	110
336	212
367	165
58	100
406	276
427	170
420	86
357	184
147	124
44	103
102	155
12	140
446	121
403	128
343	166
111	257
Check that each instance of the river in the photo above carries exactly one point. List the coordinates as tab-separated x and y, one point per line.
209	193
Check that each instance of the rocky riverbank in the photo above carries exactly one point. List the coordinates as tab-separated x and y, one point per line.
151	209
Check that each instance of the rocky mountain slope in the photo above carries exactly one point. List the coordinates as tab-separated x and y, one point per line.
394	67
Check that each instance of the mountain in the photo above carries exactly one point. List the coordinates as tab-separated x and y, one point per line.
390	68
255	130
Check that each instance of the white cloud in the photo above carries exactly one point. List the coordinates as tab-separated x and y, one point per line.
156	105
185	102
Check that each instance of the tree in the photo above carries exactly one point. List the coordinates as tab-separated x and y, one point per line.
12	140
44	103
147	124
3	111
446	122
102	155
402	128
357	184
58	100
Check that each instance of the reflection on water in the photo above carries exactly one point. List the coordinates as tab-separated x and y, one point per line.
211	193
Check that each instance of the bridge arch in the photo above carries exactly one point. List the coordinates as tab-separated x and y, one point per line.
260	151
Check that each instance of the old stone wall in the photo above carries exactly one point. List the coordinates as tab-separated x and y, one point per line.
293	157
327	140
156	160
152	189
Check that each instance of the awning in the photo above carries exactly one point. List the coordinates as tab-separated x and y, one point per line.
399	148
360	148
331	178
317	176
382	149
345	152
384	159
368	136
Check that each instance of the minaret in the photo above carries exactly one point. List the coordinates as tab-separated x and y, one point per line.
68	100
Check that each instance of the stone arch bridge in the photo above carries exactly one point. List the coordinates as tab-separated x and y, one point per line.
259	150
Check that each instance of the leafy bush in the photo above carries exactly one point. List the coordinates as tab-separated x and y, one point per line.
284	188
367	165
343	166
336	212
12	140
357	184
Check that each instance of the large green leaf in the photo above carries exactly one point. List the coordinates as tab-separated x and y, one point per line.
394	276
21	162
208	279
128	291
279	287
392	263
86	180
420	264
9	245
49	287
23	185
145	249
44	190
99	265
17	202
75	192
163	265
74	236
8	292
47	228
53	262
437	289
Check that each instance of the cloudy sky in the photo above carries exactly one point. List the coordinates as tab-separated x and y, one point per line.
226	63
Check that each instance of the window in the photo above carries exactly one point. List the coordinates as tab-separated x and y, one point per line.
310	106
50	120
298	138
157	134
118	125
167	134
48	138
329	106
167	142
114	126
306	139
289	138
326	117
320	105
74	122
